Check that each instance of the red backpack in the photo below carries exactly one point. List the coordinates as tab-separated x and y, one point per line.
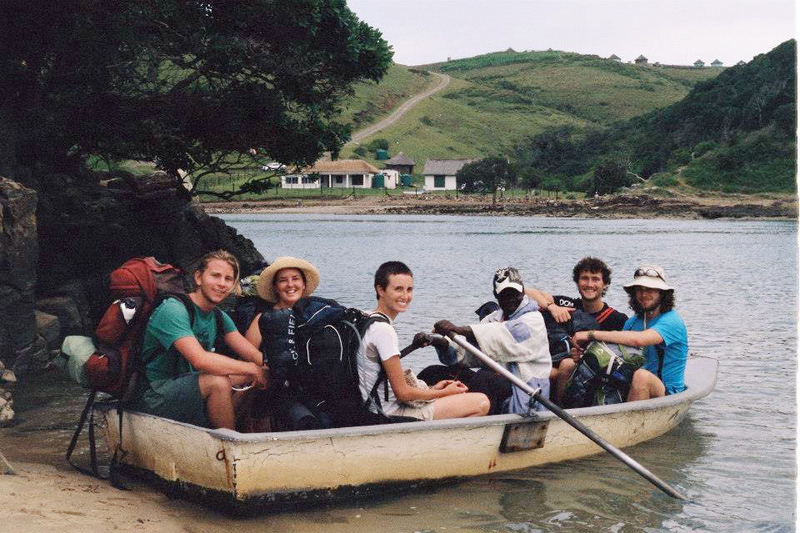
138	287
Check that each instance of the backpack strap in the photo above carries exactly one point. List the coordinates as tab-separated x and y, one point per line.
601	317
373	394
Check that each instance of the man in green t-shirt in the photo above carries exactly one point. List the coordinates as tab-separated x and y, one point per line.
185	379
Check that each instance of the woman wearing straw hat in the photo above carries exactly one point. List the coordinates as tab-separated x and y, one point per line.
281	284
657	328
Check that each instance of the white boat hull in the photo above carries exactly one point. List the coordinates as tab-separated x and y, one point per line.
318	465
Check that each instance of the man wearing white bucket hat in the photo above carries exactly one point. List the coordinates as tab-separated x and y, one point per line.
657	328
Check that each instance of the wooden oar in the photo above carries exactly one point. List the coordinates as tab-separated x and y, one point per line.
566	417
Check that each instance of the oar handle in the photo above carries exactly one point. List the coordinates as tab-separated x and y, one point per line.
566	417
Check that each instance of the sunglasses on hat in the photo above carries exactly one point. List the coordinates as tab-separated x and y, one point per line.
648	272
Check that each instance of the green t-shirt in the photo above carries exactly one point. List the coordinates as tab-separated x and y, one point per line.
170	322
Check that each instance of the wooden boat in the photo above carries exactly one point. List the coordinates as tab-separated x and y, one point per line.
239	470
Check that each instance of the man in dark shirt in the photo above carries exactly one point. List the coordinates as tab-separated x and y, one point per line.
592	277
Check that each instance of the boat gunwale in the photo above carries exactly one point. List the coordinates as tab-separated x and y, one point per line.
699	384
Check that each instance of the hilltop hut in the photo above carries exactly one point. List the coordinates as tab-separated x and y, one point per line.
440	174
615	57
716	63
641	60
699	64
401	163
740	63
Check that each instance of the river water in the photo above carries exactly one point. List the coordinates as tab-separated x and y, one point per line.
736	288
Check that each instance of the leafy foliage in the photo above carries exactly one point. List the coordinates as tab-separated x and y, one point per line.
488	174
203	85
734	133
609	176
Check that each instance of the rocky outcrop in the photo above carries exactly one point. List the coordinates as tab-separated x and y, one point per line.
56	254
19	256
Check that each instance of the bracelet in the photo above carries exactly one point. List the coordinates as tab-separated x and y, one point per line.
591	335
548	304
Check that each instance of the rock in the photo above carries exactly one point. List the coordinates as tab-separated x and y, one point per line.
49	327
8	376
18	263
77	293
2	367
6	416
5	466
33	358
65	308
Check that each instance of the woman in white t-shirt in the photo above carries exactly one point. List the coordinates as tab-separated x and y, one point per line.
394	286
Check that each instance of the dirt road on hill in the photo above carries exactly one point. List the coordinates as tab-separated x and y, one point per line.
444	81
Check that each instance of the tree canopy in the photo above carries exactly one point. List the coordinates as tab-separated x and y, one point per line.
488	174
188	84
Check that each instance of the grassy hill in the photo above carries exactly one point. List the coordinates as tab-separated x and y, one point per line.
497	99
374	101
733	133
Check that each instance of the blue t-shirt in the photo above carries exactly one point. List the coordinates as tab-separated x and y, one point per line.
676	347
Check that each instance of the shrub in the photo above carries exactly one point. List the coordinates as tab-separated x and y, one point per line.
663	180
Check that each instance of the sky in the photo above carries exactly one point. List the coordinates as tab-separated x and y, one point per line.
675	32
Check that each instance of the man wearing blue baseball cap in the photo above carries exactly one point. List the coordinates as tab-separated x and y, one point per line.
657	328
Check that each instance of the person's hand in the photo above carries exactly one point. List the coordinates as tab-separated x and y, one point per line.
576	352
451	387
445	327
262	377
421	339
560	314
580	339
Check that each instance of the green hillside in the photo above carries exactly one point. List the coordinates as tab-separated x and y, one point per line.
595	89
733	133
374	101
497	99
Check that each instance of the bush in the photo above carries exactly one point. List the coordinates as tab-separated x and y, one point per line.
704	147
663	180
378	144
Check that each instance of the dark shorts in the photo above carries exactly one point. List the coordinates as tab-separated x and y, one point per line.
177	399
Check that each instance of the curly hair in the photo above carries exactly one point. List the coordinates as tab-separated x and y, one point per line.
667	302
592	265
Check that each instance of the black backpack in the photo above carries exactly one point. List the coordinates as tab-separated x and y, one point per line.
312	352
558	335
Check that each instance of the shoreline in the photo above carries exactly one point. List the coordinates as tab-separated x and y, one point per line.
641	205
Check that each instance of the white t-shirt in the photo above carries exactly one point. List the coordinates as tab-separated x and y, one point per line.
380	341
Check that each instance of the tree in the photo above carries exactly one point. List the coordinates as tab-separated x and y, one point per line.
608	176
203	86
488	174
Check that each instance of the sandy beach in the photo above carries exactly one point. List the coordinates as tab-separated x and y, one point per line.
634	205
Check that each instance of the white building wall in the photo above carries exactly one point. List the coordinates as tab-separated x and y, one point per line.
449	184
286	182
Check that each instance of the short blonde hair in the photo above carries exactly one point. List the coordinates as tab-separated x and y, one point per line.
222	255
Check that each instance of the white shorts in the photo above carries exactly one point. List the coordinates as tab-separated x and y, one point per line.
424	412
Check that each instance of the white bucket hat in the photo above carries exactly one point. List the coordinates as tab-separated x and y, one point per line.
649	276
266	290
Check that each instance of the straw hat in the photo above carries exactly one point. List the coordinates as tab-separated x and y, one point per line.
649	276
266	290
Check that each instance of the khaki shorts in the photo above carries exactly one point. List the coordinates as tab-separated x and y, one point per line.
177	399
424	412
